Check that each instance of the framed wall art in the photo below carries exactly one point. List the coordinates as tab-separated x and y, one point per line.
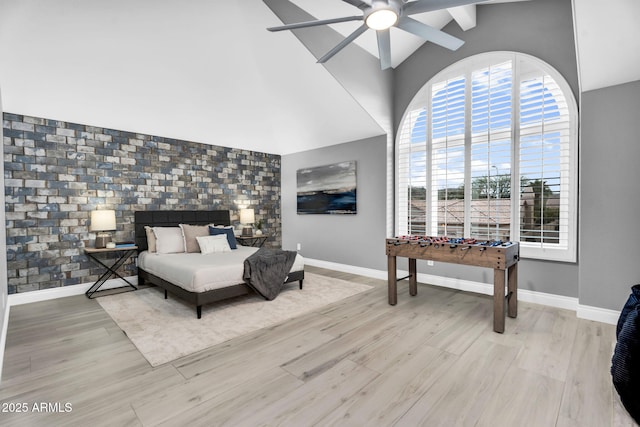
329	189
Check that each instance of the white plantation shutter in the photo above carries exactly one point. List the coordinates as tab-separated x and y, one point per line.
448	158
411	168
491	136
487	149
545	130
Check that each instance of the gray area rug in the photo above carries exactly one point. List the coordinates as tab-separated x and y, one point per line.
165	330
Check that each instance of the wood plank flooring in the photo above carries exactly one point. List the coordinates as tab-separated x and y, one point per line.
431	360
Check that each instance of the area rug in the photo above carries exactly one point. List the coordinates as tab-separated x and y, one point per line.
165	330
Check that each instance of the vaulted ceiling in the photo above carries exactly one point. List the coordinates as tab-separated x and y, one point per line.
208	71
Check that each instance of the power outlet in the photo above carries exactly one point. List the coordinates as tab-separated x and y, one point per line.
299	246
430	263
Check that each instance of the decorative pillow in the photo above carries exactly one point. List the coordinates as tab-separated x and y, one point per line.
151	239
625	369
213	244
227	231
189	233
169	240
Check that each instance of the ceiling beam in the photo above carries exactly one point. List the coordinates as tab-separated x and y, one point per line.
465	16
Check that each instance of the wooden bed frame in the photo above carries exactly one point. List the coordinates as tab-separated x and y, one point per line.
173	219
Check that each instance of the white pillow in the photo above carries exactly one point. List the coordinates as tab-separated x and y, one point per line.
212	244
169	240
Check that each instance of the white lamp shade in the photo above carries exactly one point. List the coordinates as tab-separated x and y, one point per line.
247	216
103	220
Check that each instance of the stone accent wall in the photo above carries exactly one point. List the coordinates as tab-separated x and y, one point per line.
56	173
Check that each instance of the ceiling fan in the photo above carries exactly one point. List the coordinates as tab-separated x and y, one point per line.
381	15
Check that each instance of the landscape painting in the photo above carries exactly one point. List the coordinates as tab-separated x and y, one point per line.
329	189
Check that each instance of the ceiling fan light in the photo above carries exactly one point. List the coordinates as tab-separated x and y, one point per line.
381	19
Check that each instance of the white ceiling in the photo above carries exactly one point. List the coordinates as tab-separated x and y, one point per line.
208	71
608	40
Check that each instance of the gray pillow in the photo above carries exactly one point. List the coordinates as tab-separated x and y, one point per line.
190	232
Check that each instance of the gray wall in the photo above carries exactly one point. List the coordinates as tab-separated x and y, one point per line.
356	240
542	28
610	200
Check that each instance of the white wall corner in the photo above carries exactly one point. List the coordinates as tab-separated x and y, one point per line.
4	279
3	338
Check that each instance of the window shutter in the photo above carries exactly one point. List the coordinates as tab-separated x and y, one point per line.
411	168
544	162
491	135
448	158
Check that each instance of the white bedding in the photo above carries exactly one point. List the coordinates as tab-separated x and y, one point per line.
198	272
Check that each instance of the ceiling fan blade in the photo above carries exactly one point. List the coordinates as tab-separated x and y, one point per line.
421	6
429	33
315	23
360	4
384	48
351	37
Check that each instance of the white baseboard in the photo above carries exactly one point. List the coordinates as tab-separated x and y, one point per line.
65	291
598	314
558	301
362	271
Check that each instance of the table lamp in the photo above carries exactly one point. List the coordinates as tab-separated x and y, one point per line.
247	216
102	222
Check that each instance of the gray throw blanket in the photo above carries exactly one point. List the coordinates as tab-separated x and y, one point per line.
266	270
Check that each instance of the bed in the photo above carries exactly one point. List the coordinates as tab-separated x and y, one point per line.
194	277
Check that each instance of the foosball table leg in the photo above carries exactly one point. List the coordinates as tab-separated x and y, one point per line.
498	300
413	279
392	280
512	283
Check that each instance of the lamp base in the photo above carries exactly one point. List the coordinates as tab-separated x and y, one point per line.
247	231
102	240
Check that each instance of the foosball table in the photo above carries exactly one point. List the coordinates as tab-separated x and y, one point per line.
501	256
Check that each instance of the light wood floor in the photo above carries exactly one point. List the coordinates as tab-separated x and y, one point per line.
431	360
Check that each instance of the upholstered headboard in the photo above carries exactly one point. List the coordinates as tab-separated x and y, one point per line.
172	219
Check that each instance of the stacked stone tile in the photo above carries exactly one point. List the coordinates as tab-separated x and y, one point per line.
56	173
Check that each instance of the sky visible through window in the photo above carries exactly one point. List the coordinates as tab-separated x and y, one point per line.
491	113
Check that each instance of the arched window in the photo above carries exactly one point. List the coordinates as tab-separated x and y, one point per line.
487	149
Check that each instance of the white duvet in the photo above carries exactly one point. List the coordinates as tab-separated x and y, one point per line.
198	272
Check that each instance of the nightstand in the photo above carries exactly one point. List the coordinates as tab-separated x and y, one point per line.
255	241
111	270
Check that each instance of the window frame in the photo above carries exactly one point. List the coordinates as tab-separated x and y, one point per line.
422	99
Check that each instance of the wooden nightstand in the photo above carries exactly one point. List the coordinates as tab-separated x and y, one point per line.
124	253
255	241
